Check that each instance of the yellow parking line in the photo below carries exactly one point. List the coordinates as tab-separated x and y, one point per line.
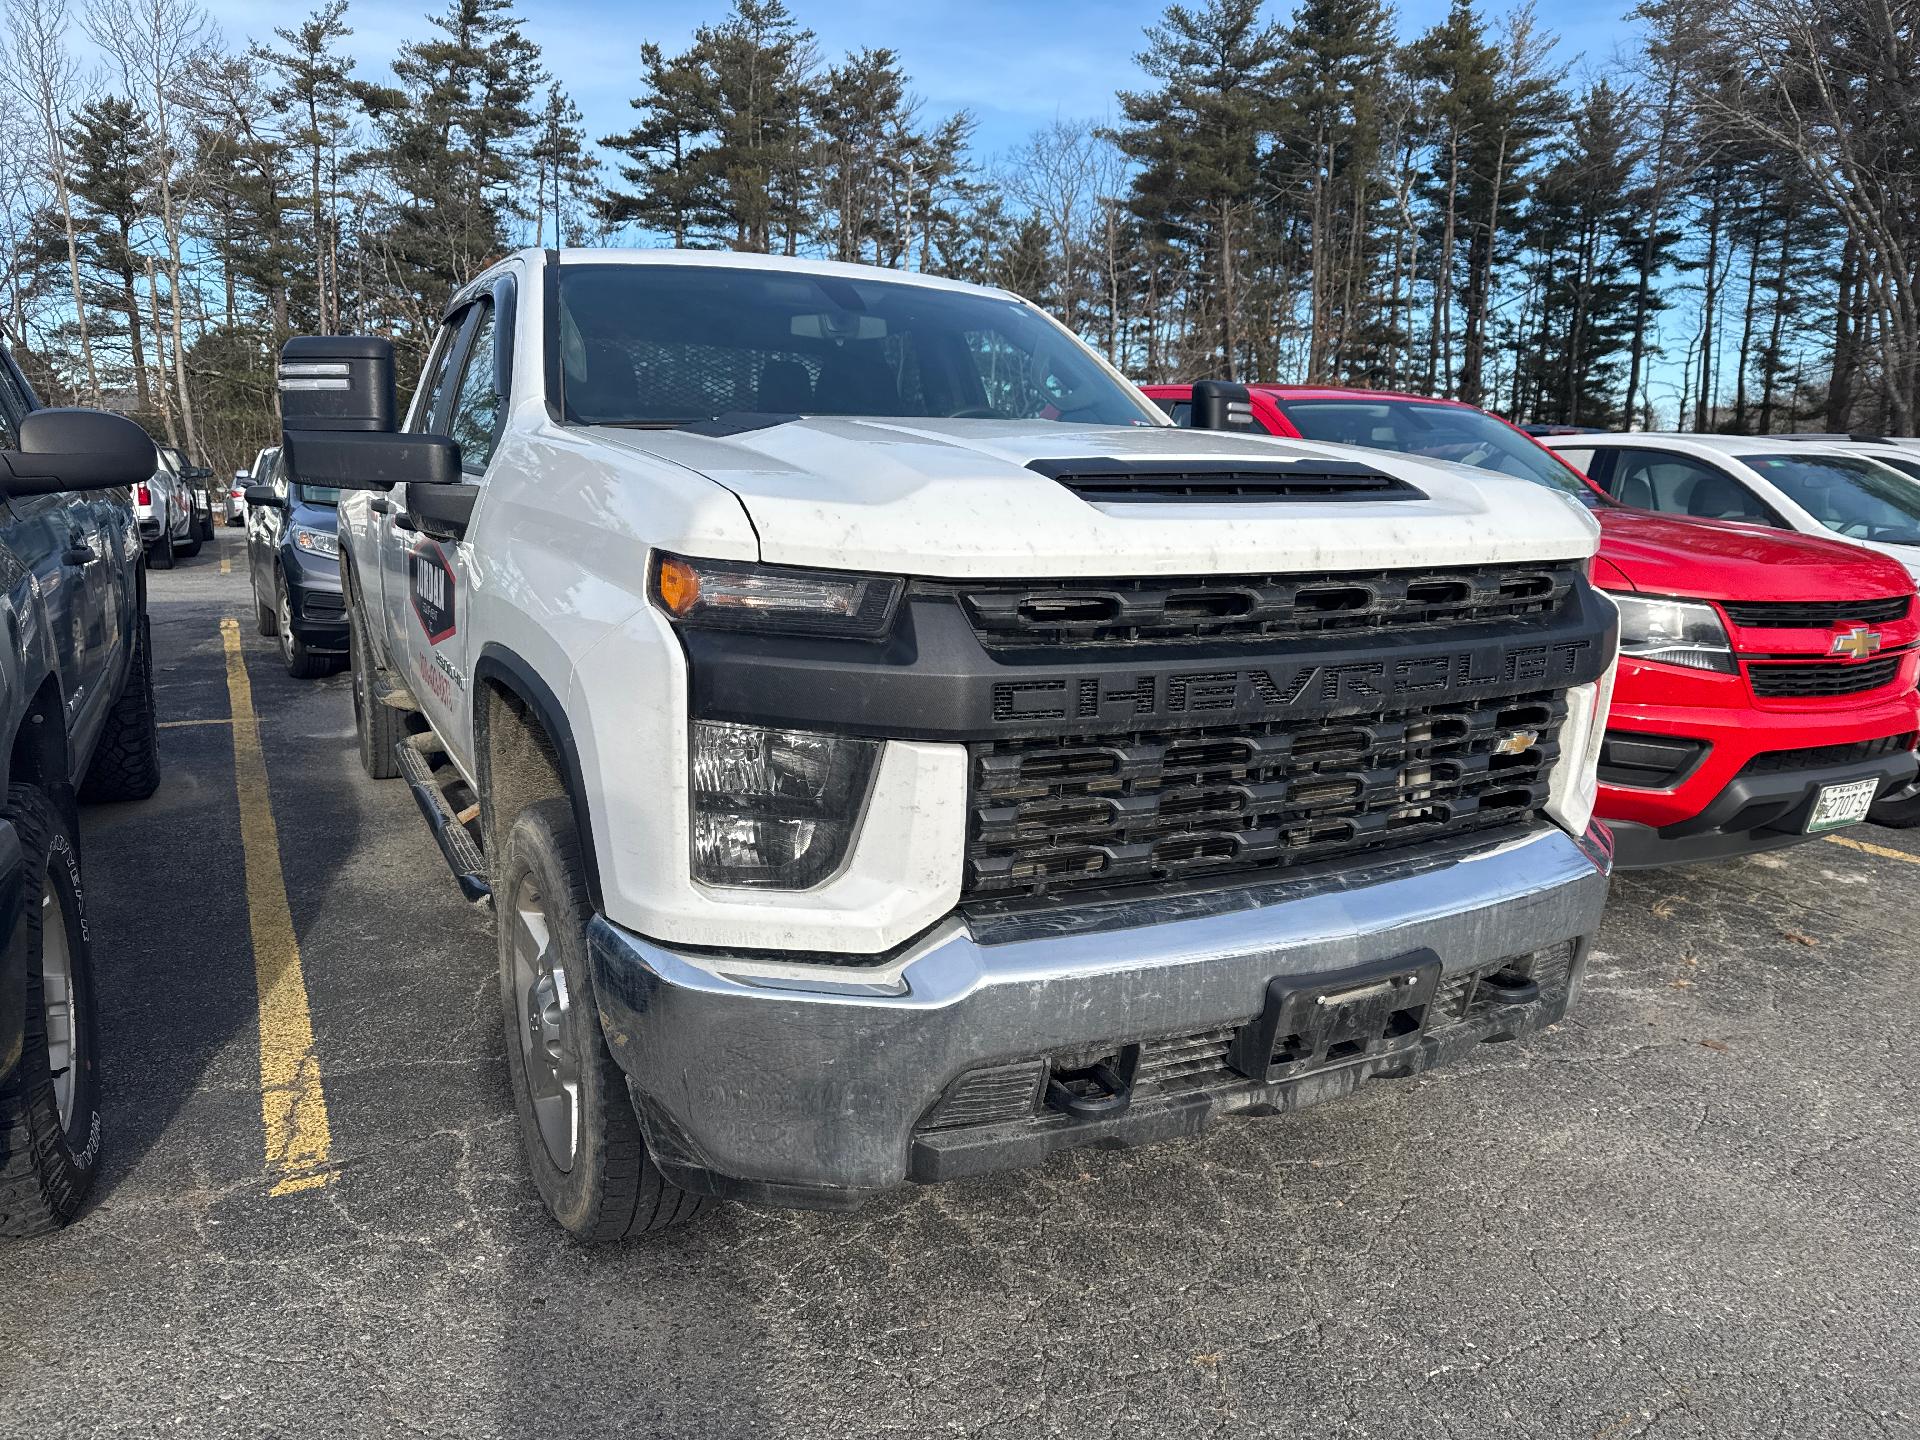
179	724
226	563
293	1106
1884	852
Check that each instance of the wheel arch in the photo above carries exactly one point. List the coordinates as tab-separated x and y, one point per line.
509	694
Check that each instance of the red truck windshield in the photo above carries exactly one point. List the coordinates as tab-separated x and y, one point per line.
671	344
1437	432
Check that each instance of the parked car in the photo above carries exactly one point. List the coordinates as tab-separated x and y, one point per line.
234	509
1783	484
262	472
194	483
1904	458
889	760
164	511
1738	723
76	710
293	566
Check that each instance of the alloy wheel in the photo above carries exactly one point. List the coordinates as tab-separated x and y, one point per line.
59	1002
546	1043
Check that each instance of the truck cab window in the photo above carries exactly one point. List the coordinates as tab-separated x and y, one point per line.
475	417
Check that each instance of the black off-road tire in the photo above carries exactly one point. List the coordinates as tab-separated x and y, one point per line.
612	1190
206	526
126	761
160	553
379	727
46	1168
190	546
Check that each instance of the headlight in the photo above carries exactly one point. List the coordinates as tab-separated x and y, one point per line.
1673	632
730	596
775	807
317	542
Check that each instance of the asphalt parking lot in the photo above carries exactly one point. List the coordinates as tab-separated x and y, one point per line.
1690	1210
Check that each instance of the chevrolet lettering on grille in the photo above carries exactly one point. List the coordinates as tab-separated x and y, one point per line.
1222	694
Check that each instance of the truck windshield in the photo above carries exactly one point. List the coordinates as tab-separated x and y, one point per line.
1439	432
664	345
1849	494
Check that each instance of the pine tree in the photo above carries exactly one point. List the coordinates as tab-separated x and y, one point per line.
108	146
671	163
565	173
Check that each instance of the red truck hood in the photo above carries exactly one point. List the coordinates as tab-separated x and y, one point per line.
1718	560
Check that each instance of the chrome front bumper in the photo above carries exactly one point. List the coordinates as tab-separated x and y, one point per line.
811	1083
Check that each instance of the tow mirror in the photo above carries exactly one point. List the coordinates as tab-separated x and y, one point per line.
196	472
73	449
1218	405
337	404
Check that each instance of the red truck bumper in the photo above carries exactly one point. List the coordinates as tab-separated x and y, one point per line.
1694	769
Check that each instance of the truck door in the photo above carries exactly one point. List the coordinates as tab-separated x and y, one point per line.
58	539
388	594
438	570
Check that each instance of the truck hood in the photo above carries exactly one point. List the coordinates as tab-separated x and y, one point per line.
1721	560
954	498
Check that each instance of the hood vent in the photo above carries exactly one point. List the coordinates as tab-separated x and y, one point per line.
1172	482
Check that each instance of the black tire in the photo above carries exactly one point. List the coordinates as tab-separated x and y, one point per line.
301	663
160	554
611	1188
190	547
265	620
126	761
47	1165
380	727
206	526
1900	814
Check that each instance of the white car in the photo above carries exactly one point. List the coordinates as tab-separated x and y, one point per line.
1817	487
163	505
233	509
893	750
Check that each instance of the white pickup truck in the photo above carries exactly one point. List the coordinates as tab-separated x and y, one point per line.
893	751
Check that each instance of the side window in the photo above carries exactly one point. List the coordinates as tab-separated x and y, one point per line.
475	418
1677	484
433	380
13	407
1182	414
1581	460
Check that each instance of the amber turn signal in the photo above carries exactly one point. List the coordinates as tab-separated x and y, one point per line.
678	585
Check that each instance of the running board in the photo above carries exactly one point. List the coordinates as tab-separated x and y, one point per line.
463	857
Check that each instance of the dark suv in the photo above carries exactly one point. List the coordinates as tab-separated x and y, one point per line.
293	563
76	723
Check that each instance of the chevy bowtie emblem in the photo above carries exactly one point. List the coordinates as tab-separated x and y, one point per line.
1857	643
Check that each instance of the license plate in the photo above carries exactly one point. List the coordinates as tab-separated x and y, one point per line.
1842	805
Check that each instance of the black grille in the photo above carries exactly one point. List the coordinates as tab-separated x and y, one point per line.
322	604
1173	481
1054	815
1815	614
1647	762
1774	762
1822	677
1462	997
1099	612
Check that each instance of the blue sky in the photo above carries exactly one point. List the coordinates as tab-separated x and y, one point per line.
1016	64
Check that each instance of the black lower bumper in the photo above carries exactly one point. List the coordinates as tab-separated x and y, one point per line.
1756	812
314	596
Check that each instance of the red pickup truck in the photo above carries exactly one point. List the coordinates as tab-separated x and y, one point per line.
1766	690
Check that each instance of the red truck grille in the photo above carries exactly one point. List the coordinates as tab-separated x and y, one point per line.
1084	812
1816	614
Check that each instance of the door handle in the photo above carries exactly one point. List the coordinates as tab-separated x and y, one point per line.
78	551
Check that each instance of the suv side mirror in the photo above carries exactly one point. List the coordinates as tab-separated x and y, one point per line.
1218	405
196	472
337	403
74	449
264	495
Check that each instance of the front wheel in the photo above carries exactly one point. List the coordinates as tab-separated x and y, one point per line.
1898	811
50	1107
301	663
378	726
583	1141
